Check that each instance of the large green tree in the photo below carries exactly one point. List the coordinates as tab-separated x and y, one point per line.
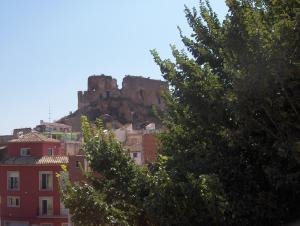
230	155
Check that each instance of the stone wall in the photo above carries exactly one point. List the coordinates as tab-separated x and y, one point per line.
101	83
99	87
143	90
138	89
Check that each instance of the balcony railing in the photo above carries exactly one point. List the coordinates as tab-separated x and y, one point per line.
49	214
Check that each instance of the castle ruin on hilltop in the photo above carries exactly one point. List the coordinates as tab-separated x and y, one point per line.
133	103
138	89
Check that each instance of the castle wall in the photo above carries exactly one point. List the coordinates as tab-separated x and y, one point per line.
139	90
102	83
144	90
99	87
87	97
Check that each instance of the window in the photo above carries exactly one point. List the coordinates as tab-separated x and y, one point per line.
50	152
13	180
46	206
46	180
13	201
77	164
135	155
25	152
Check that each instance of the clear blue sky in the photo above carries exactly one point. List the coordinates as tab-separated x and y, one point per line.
49	48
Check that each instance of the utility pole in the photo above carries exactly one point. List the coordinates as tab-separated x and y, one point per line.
49	120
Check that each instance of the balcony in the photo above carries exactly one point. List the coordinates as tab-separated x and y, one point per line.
64	213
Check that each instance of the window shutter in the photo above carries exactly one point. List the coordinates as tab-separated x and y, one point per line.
49	181
49	206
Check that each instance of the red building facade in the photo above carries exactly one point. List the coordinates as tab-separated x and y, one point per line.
29	187
149	142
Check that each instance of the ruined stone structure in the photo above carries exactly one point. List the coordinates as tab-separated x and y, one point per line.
139	90
133	103
99	87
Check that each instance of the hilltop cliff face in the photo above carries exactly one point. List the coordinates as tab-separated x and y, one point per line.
134	102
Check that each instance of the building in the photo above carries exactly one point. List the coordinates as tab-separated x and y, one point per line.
53	127
4	139
19	131
29	188
149	143
141	144
133	143
70	141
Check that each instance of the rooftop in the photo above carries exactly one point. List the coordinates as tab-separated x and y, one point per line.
45	160
33	137
55	124
5	138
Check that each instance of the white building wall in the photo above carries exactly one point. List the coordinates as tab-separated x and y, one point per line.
137	157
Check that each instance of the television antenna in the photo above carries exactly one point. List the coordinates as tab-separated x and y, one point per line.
49	114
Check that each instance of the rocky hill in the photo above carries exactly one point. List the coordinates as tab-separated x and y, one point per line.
133	103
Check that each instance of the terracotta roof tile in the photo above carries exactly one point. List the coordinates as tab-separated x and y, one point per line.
33	137
45	160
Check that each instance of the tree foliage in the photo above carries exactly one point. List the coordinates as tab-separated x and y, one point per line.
230	155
